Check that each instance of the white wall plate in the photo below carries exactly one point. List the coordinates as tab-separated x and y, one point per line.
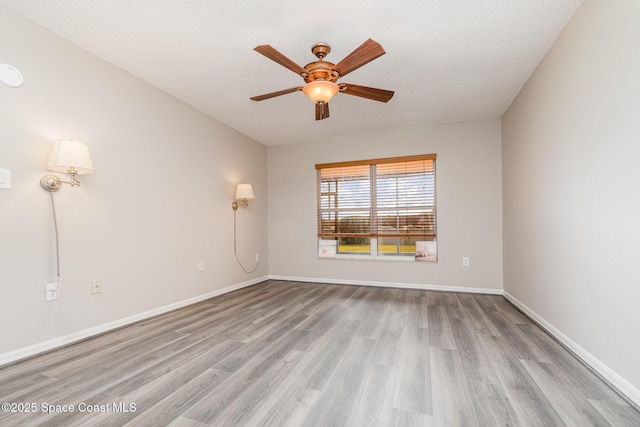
5	179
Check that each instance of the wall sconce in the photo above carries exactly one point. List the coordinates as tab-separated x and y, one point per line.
70	157
244	193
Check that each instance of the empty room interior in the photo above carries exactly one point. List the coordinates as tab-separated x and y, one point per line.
187	240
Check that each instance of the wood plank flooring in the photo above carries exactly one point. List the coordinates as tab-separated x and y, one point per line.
299	354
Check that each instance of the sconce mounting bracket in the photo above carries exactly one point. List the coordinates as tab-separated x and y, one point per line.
51	183
244	203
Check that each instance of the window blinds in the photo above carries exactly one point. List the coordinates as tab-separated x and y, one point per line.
391	197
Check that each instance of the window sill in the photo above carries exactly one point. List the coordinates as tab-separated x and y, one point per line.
399	259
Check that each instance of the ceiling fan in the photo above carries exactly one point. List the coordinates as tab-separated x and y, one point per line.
320	76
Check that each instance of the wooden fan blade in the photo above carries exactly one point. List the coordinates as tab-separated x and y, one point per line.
274	94
322	110
278	57
367	52
367	92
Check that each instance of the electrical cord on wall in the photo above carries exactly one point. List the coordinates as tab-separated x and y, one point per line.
55	225
234	247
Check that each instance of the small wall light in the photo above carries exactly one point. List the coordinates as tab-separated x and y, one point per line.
10	76
244	193
70	157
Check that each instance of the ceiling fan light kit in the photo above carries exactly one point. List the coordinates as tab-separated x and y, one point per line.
320	90
320	76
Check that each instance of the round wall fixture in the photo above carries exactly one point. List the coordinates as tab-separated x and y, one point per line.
10	75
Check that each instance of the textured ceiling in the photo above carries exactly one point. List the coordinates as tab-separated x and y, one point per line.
447	60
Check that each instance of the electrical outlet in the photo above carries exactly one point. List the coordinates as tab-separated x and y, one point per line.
465	261
51	292
96	286
201	265
257	257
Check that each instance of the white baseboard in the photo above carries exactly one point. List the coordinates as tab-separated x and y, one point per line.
34	349
623	386
419	286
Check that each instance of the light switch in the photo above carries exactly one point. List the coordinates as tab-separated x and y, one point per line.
5	179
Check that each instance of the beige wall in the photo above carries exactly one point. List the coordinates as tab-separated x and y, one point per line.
571	168
562	167
160	199
468	197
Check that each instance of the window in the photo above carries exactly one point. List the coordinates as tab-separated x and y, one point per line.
382	208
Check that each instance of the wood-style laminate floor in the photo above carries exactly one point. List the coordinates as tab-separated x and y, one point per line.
294	354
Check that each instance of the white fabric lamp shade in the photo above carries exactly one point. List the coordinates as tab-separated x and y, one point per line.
67	154
244	192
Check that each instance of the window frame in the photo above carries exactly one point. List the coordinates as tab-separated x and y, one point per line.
373	210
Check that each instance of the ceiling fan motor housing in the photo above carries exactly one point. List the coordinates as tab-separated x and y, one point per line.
320	70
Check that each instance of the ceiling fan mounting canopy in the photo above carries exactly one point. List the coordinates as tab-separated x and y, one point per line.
320	50
320	76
